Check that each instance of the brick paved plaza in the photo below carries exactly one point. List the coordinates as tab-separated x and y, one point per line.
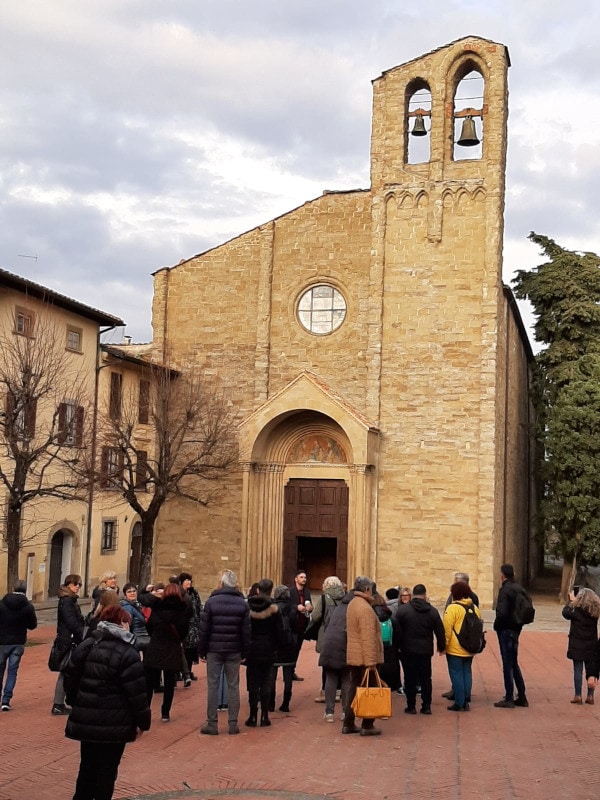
547	751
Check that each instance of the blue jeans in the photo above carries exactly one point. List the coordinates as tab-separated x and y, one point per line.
509	650
578	675
10	654
459	669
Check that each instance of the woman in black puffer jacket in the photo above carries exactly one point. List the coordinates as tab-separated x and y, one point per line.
266	636
168	624
106	688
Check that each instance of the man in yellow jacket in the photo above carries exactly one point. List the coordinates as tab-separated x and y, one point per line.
364	650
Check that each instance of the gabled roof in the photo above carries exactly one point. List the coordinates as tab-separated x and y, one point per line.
139	354
24	285
325	193
446	47
306	375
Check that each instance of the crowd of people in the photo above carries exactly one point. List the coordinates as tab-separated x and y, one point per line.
132	646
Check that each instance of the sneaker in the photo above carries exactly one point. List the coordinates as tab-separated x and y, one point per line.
523	702
338	696
6	707
328	717
59	710
187	682
320	698
165	718
400	691
504	703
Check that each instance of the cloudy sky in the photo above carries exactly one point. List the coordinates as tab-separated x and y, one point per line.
135	133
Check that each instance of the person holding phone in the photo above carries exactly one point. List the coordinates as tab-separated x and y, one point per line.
583	611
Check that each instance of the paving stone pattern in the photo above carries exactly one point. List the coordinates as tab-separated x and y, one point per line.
546	751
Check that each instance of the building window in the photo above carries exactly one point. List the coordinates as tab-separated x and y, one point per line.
321	309
116	396
144	402
111	468
109	535
74	338
24	321
20	417
141	470
70	424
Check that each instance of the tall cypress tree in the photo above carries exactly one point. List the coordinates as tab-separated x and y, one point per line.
565	294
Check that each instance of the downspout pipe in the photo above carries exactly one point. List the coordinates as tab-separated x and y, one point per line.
93	449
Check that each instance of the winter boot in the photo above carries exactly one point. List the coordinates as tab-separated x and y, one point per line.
265	722
251	721
590	697
285	706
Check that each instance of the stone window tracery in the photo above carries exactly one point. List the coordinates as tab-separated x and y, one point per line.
321	309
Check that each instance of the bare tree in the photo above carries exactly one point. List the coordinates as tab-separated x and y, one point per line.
193	446
42	423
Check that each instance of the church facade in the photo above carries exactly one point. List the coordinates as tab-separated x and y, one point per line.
378	367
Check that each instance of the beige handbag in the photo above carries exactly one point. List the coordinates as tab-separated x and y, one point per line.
372	702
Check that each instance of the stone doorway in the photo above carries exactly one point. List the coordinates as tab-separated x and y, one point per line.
56	559
315	536
61	547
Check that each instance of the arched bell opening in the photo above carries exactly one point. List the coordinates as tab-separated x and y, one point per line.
468	116
418	117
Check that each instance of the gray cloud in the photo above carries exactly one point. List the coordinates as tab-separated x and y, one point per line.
136	134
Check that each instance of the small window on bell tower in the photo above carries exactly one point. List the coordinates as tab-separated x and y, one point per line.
418	122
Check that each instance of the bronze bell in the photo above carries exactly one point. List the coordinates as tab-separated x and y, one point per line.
468	134
419	128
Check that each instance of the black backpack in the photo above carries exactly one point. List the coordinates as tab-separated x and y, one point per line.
524	612
471	636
